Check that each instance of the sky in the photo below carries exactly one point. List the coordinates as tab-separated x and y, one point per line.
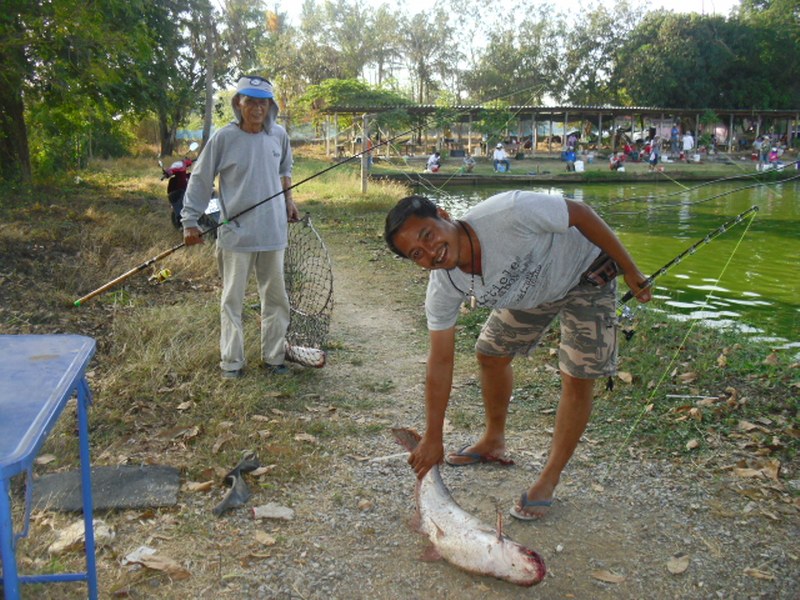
719	7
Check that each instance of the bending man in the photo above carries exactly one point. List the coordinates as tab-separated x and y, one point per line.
525	255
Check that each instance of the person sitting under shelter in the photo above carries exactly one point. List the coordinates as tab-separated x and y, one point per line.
469	163
569	156
501	158
434	162
615	161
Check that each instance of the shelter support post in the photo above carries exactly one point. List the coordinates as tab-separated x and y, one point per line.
730	135
599	131
364	154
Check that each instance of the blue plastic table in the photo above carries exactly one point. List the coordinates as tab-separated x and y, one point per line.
38	375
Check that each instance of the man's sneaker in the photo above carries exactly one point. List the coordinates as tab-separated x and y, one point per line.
276	369
234	374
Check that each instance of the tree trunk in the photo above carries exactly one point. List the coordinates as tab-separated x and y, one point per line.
166	134
15	160
209	109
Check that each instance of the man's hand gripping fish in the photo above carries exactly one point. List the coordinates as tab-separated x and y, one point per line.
462	539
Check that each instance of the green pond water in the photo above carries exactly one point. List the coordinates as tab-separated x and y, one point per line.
745	278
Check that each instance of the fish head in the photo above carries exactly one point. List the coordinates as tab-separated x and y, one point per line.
525	567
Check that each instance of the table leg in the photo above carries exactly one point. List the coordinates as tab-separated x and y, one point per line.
10	576
84	398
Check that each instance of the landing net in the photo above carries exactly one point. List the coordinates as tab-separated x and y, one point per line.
309	284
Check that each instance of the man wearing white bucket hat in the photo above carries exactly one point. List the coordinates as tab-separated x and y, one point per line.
500	157
253	159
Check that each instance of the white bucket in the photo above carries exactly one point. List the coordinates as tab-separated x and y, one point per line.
579	166
695	158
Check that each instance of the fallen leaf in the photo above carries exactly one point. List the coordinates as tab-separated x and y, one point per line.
262	470
185	405
759	574
305	437
72	538
220	442
265	539
687	377
722	361
625	376
772	469
597	487
180	432
772	359
198	486
747	472
168	565
692	444
608	576
678	563
747	426
45	459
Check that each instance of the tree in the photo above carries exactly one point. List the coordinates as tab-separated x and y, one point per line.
698	61
64	64
383	32
245	24
590	47
429	46
173	82
518	63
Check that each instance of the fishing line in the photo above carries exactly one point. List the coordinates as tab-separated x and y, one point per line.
719	180
709	198
648	405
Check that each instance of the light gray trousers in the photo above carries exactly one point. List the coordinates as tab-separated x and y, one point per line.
235	268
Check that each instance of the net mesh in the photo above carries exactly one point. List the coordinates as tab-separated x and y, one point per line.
309	284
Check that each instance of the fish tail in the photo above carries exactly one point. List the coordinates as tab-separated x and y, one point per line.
407	438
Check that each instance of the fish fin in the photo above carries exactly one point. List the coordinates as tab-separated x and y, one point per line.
439	532
407	438
430	554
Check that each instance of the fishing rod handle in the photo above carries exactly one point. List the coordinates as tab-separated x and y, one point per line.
126	275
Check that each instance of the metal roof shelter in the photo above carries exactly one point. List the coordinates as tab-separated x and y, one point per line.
598	114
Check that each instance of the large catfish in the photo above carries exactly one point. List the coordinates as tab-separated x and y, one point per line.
462	539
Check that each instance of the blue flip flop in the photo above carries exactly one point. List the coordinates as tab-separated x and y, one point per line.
475	458
525	503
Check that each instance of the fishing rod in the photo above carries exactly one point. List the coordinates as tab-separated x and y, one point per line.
691	250
105	287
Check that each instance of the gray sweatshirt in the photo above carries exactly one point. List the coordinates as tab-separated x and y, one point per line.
250	167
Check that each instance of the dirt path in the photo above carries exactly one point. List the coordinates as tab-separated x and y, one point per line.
618	517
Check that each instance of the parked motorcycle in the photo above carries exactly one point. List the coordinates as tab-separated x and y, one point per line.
178	175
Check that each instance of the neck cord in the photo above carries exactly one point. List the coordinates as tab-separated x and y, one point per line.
471	294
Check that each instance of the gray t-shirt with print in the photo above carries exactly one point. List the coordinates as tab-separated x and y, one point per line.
530	255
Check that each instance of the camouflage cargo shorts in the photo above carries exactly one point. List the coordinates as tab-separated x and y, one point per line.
588	348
